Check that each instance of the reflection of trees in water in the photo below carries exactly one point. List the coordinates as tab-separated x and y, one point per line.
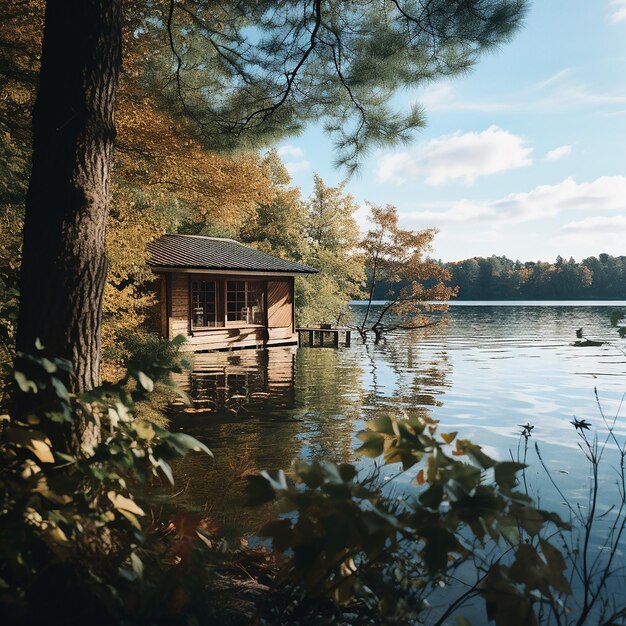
329	390
244	409
406	374
261	409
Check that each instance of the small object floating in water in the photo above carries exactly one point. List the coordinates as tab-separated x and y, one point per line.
586	343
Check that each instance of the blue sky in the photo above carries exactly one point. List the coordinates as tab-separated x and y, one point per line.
525	156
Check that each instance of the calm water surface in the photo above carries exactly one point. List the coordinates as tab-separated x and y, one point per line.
492	367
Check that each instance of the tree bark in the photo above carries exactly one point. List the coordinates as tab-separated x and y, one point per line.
64	264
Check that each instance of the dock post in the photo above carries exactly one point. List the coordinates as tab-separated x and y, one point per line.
336	339
311	338
348	338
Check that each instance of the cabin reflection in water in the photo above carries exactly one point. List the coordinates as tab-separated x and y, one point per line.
243	380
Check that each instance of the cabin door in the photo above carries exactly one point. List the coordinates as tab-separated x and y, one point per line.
279	304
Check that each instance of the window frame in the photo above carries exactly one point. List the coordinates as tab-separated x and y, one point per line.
219	322
260	288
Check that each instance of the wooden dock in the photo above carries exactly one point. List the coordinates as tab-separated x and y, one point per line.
333	333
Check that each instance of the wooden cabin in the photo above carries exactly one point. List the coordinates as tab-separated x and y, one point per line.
221	294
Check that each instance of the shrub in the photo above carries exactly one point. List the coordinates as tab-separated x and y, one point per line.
76	545
353	551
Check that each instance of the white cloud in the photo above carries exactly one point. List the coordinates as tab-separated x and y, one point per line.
607	193
436	95
555	93
441	97
618	12
289	151
593	235
558	153
293	167
601	225
293	159
361	216
553	79
459	156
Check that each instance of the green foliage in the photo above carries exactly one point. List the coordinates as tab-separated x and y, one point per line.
249	72
397	257
350	544
333	235
321	232
74	540
278	226
500	278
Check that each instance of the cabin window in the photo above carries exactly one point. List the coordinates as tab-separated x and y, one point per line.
203	304
245	301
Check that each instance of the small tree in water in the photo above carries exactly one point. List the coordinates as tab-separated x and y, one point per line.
397	256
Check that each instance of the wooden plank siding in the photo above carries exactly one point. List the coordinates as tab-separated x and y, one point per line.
279	304
279	328
179	313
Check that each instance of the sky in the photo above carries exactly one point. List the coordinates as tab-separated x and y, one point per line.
523	157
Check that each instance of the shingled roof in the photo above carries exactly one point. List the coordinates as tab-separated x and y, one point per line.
215	253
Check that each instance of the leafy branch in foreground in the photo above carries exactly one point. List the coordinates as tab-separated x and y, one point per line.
352	546
75	544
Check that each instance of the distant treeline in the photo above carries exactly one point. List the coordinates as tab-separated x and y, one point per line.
500	278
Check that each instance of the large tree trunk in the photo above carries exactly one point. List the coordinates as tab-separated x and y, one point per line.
63	263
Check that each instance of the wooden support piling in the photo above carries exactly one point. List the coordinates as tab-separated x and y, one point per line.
320	341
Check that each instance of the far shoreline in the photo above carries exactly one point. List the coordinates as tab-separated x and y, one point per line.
511	302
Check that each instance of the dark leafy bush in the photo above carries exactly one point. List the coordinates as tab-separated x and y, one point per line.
76	543
352	547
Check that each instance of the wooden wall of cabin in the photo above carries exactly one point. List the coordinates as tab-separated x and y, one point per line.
279	329
280	308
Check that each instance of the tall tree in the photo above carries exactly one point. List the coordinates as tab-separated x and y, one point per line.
278	224
396	255
63	261
242	71
333	236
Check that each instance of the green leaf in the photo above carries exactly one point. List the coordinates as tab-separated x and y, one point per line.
348	472
167	470
439	544
183	443
178	341
373	444
556	567
145	381
309	473
506	474
381	425
25	384
448	437
276	479
144	429
122	503
432	497
34	441
137	565
48	365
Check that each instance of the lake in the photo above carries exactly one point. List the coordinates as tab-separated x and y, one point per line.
492	367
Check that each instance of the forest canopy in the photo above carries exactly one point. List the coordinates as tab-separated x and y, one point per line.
499	278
